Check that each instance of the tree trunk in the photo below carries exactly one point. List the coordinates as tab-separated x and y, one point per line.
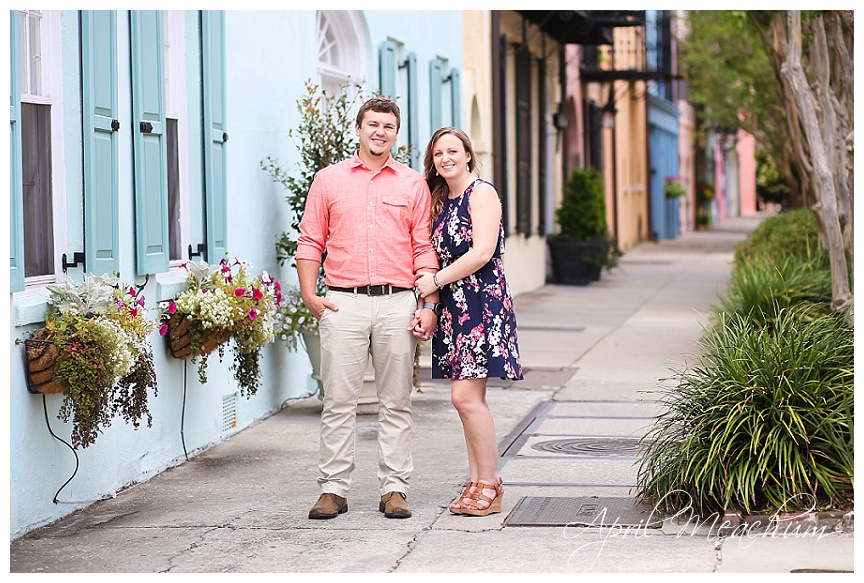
808	106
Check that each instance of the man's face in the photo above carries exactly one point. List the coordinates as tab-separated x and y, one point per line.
377	133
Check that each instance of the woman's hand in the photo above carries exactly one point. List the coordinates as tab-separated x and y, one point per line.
425	284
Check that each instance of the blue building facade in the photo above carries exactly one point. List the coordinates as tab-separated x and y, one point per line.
136	142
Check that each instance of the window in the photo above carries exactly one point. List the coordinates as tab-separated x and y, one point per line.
179	223
36	172
41	145
341	49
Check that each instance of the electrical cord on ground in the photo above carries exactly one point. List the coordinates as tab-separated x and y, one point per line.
183	413
299	398
45	408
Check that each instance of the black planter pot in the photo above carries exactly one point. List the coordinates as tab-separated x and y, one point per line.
575	262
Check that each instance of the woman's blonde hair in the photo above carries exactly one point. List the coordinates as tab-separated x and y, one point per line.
437	185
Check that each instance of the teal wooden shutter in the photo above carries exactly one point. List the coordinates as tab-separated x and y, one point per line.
215	131
99	99
456	97
150	152
436	80
16	190
413	110
387	69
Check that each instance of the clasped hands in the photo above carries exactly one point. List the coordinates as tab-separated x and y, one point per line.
425	321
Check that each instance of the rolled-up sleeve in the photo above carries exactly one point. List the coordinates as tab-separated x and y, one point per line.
315	223
424	254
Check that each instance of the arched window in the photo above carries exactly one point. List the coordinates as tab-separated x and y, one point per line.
341	49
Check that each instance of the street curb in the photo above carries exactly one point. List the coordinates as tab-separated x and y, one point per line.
828	521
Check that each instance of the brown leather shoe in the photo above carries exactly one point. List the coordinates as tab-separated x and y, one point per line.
329	506
395	505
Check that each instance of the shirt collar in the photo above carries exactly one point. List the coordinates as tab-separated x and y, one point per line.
357	161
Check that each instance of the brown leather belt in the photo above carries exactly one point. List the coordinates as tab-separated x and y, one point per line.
371	290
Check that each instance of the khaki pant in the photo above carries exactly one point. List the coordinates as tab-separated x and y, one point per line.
363	325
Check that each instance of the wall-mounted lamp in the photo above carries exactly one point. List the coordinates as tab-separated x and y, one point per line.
560	118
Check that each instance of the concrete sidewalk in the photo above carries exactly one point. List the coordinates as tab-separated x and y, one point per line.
568	436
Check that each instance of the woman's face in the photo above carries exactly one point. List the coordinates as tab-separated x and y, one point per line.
449	156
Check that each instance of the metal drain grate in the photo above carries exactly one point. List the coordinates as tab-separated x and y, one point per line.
594	447
588	512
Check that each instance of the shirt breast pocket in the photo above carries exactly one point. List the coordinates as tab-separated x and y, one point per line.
395	208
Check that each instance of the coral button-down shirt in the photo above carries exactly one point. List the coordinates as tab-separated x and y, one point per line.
373	225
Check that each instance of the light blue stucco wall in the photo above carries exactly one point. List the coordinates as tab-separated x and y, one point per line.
269	56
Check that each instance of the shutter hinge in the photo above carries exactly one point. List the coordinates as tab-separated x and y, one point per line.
224	136
77	258
146	127
115	125
202	248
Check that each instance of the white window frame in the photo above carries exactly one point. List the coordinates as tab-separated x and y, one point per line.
341	38
174	28
52	95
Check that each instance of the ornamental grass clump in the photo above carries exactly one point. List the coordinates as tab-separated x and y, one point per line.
763	285
103	356
763	421
222	303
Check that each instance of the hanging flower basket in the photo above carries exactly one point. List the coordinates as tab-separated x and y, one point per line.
95	349
43	358
674	188
180	338
221	303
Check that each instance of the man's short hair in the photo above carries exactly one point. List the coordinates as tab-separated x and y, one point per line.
379	104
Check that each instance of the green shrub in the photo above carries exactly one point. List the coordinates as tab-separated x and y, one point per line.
763	417
792	233
582	215
762	286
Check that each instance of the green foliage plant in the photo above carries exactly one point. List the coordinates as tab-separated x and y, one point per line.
323	137
582	214
762	421
102	330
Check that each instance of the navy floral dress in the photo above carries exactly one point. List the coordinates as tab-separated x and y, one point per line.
476	336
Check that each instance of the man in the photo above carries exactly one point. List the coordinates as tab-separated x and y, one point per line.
371	214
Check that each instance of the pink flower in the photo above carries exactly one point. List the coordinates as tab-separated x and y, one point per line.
172	307
253	313
132	292
239	292
256	294
163	329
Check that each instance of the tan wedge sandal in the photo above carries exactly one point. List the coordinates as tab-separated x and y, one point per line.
456	505
472	509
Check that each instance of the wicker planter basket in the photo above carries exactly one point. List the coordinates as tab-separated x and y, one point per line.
43	357
180	340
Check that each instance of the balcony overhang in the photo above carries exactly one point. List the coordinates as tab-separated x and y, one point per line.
583	27
605	76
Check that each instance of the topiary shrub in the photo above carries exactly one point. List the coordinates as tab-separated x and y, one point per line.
582	216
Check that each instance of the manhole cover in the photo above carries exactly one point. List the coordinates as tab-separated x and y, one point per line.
591	446
587	512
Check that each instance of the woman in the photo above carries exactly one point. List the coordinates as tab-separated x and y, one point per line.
476	336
